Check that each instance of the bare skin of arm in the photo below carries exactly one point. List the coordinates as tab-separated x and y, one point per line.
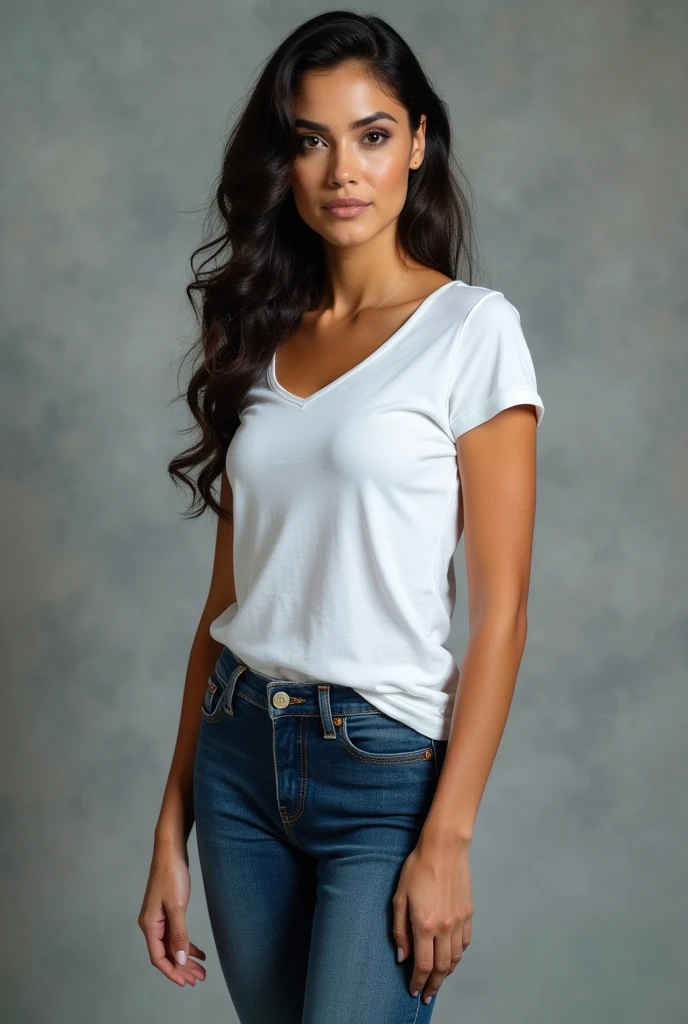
432	905
162	917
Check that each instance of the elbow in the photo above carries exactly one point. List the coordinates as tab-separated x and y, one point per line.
507	619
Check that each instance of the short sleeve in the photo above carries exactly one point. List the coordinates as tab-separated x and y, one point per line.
491	366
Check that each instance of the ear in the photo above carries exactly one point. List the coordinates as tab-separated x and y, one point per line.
418	148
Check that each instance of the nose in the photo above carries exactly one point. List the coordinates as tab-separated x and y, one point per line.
343	166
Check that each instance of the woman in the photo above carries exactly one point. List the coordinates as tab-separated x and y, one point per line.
363	406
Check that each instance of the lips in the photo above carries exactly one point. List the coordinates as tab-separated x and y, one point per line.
338	204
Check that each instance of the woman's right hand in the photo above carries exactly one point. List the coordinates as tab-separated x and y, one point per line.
162	918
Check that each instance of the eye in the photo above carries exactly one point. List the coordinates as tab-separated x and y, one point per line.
301	139
378	131
381	132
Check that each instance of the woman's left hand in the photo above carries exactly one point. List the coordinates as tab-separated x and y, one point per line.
433	911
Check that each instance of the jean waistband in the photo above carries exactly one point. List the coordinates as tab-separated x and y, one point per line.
284	698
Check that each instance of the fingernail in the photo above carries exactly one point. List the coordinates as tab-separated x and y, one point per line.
414	994
400	954
180	956
427	998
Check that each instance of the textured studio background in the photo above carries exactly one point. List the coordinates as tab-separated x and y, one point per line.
569	119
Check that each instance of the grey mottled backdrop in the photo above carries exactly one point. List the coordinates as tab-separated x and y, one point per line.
570	122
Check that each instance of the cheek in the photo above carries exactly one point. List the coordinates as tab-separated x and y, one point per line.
305	185
388	174
388	179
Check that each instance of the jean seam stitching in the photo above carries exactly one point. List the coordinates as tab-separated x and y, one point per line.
303	761
362	755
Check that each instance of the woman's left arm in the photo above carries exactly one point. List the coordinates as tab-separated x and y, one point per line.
432	905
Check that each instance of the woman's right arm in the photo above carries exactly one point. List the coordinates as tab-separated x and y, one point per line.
162	915
176	814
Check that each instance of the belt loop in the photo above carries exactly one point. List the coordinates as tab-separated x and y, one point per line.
326	711
231	683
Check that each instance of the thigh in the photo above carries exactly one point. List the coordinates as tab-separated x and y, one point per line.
259	887
353	973
368	801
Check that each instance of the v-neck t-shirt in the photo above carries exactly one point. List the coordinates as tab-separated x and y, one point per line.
346	507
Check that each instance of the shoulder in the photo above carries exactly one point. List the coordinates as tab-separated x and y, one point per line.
487	326
461	312
475	302
491	365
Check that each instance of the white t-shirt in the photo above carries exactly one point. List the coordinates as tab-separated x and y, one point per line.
346	507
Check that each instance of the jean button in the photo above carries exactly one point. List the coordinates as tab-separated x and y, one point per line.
281	699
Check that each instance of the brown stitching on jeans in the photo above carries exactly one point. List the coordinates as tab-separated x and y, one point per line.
286	826
410	757
316	714
284	818
214	716
303	763
289	832
375	758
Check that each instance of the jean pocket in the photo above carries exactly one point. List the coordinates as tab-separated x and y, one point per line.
214	698
381	739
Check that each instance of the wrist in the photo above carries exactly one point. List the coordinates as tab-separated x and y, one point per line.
445	837
169	840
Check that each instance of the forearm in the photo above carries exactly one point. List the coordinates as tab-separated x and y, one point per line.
176	817
484	694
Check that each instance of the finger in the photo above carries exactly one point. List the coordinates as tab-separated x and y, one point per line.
192	966
401	929
192	969
441	967
458	945
467	931
177	936
158	955
188	973
423	958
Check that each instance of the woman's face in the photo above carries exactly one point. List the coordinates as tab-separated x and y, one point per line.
337	159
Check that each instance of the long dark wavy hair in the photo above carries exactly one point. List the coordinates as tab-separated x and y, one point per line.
264	266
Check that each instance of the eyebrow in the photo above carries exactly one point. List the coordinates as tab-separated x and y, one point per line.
379	115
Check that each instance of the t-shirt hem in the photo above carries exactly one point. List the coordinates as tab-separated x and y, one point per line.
520	395
434	726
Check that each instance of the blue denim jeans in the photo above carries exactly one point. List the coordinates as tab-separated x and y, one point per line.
308	800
